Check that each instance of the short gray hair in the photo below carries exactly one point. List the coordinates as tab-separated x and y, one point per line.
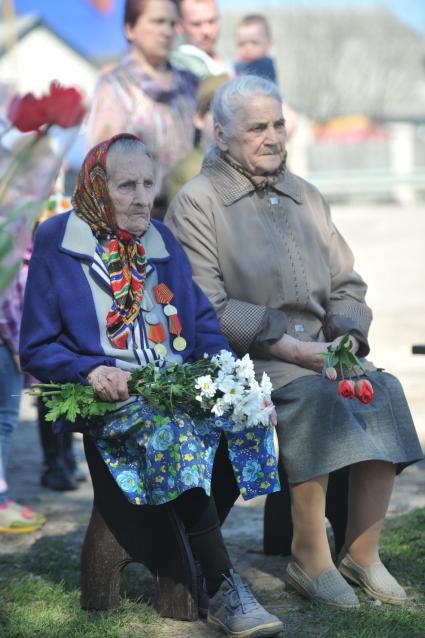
230	98
129	144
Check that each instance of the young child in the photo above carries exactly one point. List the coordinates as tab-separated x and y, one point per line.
253	39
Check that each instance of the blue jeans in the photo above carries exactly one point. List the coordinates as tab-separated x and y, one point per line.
11	382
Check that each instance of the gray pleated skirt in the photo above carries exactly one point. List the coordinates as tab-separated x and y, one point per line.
319	431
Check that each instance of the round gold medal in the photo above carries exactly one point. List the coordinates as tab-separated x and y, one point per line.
179	344
169	310
160	349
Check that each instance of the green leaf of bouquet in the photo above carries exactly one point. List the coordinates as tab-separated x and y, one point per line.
53	415
352	358
99	408
344	341
332	360
345	359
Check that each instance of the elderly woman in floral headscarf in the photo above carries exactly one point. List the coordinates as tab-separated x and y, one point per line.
109	291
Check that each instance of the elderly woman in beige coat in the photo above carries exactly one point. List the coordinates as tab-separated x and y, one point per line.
265	250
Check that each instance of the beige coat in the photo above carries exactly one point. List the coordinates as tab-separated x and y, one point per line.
253	250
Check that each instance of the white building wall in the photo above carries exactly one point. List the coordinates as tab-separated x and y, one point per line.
40	57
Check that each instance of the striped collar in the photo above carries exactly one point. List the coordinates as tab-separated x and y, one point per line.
79	241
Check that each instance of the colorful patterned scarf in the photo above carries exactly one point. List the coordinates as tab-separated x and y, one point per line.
127	261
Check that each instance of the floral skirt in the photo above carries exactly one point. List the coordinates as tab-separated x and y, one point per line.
155	457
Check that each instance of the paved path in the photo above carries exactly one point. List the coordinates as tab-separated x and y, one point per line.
389	246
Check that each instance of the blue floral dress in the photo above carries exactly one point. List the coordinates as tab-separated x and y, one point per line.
155	457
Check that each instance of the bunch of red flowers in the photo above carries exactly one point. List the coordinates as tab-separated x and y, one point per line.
62	106
361	389
340	357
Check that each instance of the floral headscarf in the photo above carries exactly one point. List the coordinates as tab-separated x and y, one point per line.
127	260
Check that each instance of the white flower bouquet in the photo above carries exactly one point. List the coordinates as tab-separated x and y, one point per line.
213	386
232	390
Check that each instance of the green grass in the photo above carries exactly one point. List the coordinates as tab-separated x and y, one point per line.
368	622
39	596
403	552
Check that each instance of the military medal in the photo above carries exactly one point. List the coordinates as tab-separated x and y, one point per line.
151	318
164	296
157	332
179	344
170	310
147	301
160	349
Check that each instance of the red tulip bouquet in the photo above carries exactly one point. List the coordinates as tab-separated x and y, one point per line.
339	362
29	162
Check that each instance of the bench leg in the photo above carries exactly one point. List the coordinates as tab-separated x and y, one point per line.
176	585
151	535
102	559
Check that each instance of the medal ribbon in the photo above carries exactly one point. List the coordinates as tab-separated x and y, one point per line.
164	295
175	325
157	333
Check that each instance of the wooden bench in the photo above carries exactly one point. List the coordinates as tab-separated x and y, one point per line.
120	533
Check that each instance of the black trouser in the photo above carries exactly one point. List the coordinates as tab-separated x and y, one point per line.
59	463
197	511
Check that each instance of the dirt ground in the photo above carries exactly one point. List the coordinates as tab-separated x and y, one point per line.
389	244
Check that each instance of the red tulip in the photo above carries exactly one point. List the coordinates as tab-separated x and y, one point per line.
364	391
63	106
26	113
346	389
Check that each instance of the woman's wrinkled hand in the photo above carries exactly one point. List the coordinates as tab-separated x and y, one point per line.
303	353
273	414
110	384
308	354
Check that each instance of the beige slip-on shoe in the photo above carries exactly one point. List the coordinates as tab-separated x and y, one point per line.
329	588
374	579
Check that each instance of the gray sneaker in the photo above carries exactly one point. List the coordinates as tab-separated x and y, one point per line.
234	609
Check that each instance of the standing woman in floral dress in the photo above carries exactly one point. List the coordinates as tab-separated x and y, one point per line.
144	94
